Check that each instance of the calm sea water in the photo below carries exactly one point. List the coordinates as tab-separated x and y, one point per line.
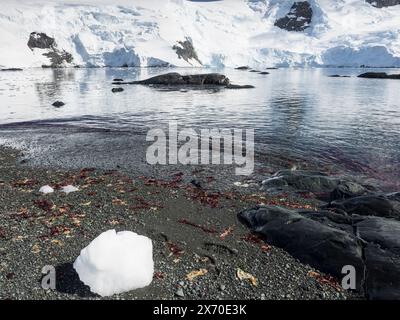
300	115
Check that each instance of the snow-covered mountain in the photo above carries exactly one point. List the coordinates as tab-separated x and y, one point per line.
258	33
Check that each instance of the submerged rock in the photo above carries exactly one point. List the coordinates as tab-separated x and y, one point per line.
337	76
379	75
298	18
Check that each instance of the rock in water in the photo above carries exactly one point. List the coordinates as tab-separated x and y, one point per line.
114	90
175	78
383	3
58	104
298	18
379	75
116	262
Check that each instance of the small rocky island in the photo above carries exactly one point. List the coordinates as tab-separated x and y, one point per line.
176	79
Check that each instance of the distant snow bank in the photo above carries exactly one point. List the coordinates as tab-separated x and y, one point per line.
215	33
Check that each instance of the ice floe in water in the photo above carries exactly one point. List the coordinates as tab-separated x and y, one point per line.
116	262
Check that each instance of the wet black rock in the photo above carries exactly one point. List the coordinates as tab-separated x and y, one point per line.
379	75
114	90
118	80
186	51
58	104
323	247
369	205
383	3
254	70
264	72
298	18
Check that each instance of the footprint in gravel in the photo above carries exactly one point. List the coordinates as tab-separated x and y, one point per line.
221	251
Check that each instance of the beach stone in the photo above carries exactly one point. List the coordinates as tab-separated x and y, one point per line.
321	246
298	18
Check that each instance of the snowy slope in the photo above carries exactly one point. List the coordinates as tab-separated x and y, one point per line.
223	33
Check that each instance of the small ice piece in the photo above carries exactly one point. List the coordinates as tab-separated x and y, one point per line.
116	262
46	189
69	188
242	185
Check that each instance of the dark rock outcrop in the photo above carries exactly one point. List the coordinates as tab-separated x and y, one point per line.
264	72
57	57
114	90
328	241
323	247
58	104
186	51
379	75
298	18
383	3
40	40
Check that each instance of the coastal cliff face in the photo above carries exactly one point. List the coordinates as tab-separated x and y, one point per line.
257	33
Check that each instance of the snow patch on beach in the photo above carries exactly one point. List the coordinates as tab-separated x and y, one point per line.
116	262
223	33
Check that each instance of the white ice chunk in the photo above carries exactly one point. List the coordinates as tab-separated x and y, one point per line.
69	188
116	262
46	189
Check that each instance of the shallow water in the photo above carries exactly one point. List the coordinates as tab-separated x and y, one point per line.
302	116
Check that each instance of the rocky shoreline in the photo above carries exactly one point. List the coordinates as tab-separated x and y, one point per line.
201	249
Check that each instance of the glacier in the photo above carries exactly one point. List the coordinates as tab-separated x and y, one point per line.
226	33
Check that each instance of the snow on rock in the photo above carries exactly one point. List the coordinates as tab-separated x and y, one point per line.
116	262
184	33
69	189
46	189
